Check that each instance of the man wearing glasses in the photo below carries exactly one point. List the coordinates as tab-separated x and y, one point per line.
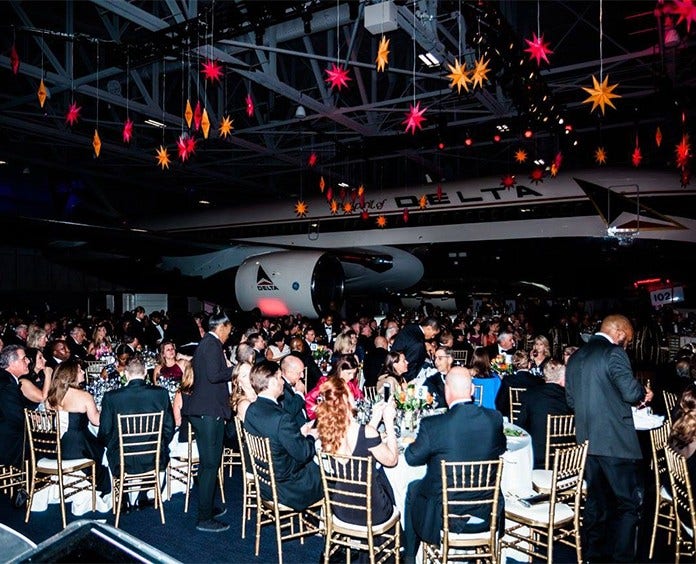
13	364
292	401
436	382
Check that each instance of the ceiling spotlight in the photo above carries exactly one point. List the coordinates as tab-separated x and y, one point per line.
343	184
568	129
528	133
429	60
204	202
3	162
300	112
155	123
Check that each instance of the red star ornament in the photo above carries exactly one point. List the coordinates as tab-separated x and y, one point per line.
197	116
127	131
685	9
73	113
414	118
182	148
405	215
337	76
212	70
683	151
537	175
636	156
249	105
538	49
364	215
508	181
14	60
312	160
190	146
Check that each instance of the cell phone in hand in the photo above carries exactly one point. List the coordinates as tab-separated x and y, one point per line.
386	391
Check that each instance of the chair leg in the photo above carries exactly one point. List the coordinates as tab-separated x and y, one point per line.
94	487
258	528
245	506
158	498
278	539
119	500
221	480
62	499
30	501
169	482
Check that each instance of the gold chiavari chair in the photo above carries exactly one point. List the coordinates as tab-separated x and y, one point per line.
477	394
46	462
664	512
248	484
671	400
515	403
370	392
466	485
535	529
347	482
11	478
271	510
460	357
560	433
682	503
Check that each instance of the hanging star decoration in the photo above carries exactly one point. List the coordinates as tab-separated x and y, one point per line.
521	156
127	131
226	126
538	49
190	146
414	118
658	136
508	181
683	152
600	156
322	184
636	156
163	157
439	192
558	160
197	116
347	208
312	160
14	60
364	215
361	190
382	54
685	178
480	72
381	221
42	93
96	143
537	175
601	94
405	215
249	105
212	70
423	202
182	148
301	208
188	114
459	76
73	114
333	207
337	76
686	10
329	194
205	123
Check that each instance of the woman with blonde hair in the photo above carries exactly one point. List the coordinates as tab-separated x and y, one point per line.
539	356
340	433
242	394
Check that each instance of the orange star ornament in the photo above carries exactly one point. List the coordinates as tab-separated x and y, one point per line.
301	208
163	157
459	76
480	72
382	59
600	156
423	202
226	126
521	156
333	206
601	94
381	221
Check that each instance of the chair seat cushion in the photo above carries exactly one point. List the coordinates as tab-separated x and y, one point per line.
665	494
362	529
52	463
541	479
539	512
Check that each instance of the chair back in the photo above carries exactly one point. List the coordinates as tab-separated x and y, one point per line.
477	396
262	466
243	449
670	403
370	393
560	433
682	495
468	486
347	482
515	403
140	441
43	435
568	472
460	357
658	442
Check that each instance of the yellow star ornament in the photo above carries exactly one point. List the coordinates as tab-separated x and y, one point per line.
301	208
226	126
480	72
382	54
163	157
600	156
601	94
520	155
423	202
381	221
459	76
333	206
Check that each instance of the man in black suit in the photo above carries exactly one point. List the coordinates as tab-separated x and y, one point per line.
208	409
436	382
292	401
540	401
411	341
480	436
13	364
374	361
505	345
520	378
76	342
292	447
600	387
59	352
135	397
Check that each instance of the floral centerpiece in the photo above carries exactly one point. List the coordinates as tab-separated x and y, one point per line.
321	354
500	366
411	402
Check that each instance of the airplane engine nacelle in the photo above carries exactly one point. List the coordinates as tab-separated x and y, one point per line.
284	282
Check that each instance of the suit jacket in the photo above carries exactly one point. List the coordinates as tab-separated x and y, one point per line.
372	365
298	479
135	397
411	341
76	350
436	386
466	433
520	379
11	421
493	350
537	403
600	388
293	404
210	394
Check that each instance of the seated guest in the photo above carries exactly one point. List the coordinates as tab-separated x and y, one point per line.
13	365
169	366
346	368
393	372
100	345
116	371
340	433
343	345
374	360
436	382
683	435
539	355
37	338
76	408
243	393
485	377
35	383
540	401
568	352
59	352
135	397
77	343
479	436
505	345
293	401
297	476
278	349
520	378
179	443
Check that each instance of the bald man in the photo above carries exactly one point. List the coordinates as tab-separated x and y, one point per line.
292	401
465	433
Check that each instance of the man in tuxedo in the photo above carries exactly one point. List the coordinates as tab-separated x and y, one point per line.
436	382
329	331
374	361
137	326
505	345
135	397
292	447
76	342
208	409
257	341
540	401
13	364
600	387
59	352
479	436
411	341
520	378
292	401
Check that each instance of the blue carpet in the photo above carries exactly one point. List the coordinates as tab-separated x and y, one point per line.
178	537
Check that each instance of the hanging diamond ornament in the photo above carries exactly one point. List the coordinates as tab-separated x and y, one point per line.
127	131
188	114
14	60
205	123
197	116
42	93
96	143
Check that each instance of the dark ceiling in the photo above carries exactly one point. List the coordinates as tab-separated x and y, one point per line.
142	60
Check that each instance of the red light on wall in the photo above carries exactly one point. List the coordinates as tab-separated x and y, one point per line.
528	133
496	138
468	141
441	145
647	282
272	307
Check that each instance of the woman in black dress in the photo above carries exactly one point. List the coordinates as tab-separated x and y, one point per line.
340	433
35	383
76	409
